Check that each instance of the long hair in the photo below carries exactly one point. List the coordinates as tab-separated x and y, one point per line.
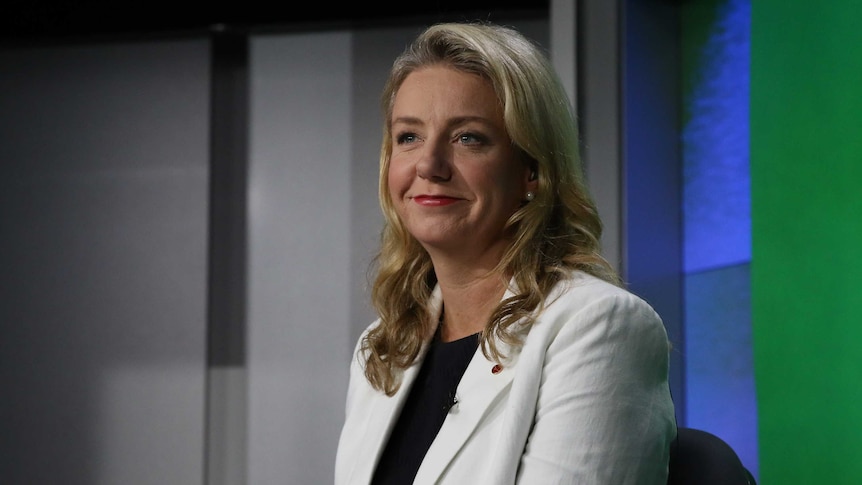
555	233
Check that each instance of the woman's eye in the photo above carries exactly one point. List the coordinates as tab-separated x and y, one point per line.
470	139
403	138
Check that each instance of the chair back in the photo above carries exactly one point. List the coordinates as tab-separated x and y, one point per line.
701	458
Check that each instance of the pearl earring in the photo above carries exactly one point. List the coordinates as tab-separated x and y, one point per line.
530	196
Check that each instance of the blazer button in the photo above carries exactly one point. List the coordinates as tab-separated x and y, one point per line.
496	369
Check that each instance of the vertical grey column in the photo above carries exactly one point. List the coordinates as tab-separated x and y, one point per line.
564	54
226	302
598	105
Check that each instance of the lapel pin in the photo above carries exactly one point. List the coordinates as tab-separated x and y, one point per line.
496	369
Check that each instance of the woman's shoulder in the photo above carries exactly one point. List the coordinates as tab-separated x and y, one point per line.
579	287
585	313
585	295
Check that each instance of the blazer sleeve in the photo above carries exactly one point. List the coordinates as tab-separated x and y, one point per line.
603	414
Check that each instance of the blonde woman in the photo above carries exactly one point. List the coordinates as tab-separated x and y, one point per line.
506	349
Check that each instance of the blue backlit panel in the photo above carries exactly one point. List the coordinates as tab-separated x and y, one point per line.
716	193
720	393
719	374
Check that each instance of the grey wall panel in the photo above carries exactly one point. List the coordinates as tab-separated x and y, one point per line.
103	194
299	254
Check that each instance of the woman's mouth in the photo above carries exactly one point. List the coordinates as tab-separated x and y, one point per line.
434	200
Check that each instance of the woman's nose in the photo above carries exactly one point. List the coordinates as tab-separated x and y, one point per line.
434	163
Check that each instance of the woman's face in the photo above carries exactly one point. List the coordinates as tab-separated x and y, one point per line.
454	176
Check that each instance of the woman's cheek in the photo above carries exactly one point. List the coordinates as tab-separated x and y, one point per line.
399	178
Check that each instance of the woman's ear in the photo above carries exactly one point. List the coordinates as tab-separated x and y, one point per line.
532	176
531	173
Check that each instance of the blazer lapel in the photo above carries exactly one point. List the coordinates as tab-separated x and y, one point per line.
384	412
483	381
477	391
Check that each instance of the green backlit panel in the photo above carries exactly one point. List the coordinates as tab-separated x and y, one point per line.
806	168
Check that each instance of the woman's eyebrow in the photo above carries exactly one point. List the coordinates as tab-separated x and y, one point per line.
458	120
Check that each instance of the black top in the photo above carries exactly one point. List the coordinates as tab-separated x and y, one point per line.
426	407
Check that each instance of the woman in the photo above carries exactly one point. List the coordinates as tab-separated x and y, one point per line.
505	350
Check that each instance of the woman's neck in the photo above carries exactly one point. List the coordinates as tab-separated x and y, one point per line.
468	302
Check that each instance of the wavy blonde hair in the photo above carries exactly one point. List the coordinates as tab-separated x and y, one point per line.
556	233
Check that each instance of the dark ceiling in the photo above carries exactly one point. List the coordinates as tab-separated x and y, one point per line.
55	19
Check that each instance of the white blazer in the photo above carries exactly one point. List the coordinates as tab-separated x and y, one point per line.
584	401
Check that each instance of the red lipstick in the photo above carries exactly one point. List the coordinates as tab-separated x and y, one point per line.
434	200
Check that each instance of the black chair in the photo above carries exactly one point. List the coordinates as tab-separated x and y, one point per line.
701	458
